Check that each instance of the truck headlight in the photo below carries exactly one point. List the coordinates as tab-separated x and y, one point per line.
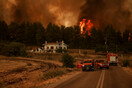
82	65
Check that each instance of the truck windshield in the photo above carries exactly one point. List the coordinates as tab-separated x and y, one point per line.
87	61
100	61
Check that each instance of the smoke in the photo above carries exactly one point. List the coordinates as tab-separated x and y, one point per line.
5	10
61	12
104	12
68	12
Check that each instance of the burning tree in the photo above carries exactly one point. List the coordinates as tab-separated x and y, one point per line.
85	26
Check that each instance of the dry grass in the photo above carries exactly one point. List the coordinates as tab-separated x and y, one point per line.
9	65
54	73
46	56
19	72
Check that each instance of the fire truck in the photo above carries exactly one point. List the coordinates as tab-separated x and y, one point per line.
101	63
112	59
86	65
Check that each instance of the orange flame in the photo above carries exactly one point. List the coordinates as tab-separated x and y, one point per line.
87	25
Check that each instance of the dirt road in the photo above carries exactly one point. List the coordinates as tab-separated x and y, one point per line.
115	77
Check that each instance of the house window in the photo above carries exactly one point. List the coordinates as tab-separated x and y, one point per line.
52	47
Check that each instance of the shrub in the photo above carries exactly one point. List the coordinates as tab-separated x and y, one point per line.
125	63
14	49
61	50
67	60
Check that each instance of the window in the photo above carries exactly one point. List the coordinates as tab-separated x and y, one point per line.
64	47
52	47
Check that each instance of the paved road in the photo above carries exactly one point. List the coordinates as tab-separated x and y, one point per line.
115	77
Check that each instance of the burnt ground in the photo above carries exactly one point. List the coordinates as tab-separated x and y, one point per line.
23	72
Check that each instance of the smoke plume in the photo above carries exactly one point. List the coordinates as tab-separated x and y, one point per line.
68	12
61	12
103	12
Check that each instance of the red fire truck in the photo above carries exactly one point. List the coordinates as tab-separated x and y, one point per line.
85	65
101	63
112	59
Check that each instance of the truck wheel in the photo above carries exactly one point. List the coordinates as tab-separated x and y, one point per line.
100	67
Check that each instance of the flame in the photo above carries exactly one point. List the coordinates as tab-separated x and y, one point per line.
87	25
82	25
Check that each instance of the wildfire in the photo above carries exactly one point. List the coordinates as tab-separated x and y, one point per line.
85	26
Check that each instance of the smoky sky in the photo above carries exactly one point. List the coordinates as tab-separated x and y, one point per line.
61	12
68	12
108	12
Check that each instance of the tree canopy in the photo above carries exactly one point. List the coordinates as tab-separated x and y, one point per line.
106	39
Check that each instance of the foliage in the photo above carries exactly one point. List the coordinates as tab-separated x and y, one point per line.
13	49
68	60
3	31
35	34
125	63
61	50
100	48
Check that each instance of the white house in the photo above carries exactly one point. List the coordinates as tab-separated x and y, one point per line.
52	47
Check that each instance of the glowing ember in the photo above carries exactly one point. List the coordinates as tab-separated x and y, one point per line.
87	25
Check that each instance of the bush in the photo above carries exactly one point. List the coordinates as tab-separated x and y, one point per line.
125	63
13	49
61	50
67	60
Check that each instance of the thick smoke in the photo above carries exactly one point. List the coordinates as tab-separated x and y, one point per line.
61	12
103	12
68	12
5	10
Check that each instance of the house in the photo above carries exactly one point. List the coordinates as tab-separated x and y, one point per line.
52	47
